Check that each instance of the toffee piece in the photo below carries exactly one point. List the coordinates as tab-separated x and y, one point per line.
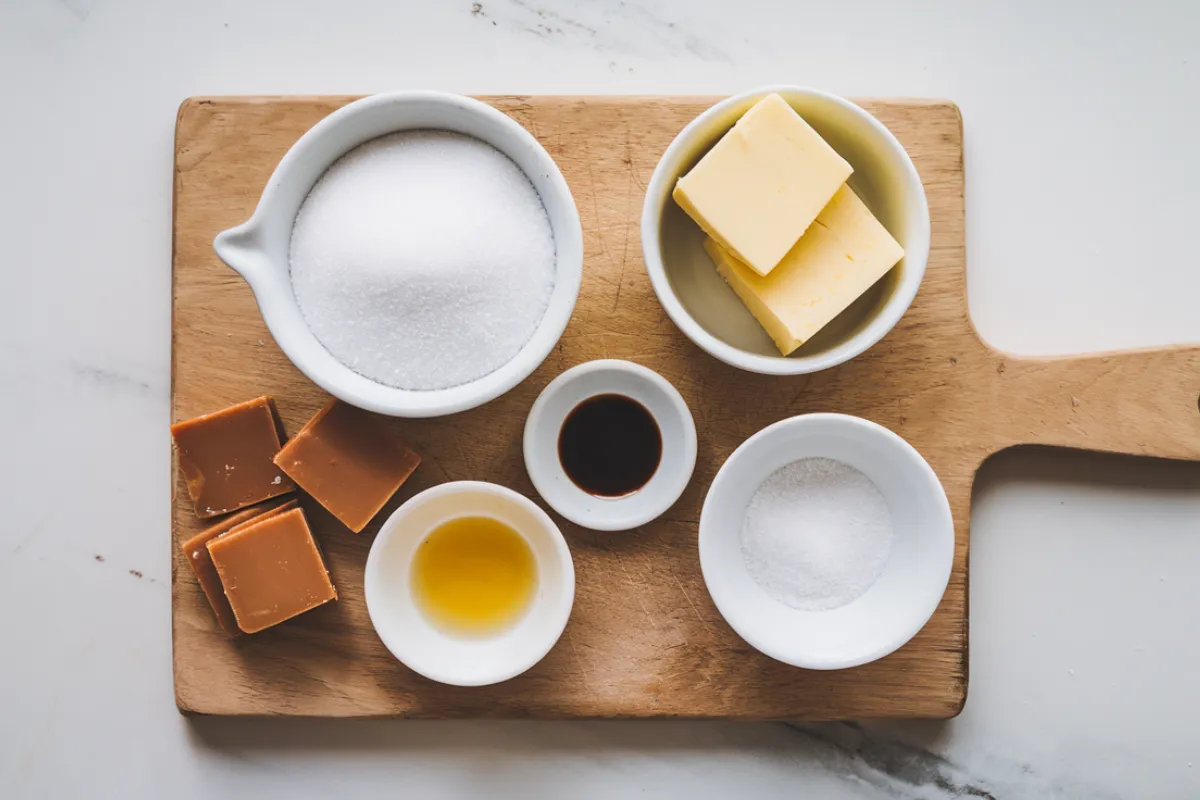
226	457
196	551
272	570
348	462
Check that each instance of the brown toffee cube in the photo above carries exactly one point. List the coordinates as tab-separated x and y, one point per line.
272	570
201	562
348	462
226	457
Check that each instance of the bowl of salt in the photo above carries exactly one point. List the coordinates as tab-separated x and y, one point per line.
826	541
414	254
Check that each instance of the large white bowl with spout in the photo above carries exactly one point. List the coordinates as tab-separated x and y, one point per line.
258	249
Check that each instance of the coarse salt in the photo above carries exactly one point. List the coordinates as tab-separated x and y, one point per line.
423	259
817	533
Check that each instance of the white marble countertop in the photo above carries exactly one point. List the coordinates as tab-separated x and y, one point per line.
1082	166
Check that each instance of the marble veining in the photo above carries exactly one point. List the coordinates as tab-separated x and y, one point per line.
610	27
110	378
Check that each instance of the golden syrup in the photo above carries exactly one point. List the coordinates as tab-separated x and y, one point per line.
474	576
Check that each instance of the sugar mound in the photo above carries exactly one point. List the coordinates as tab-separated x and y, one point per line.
817	534
423	259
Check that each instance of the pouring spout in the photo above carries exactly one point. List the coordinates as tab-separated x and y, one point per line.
240	247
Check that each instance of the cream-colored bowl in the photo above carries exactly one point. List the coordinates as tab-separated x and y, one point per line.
702	304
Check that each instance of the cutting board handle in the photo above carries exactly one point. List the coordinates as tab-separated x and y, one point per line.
1144	402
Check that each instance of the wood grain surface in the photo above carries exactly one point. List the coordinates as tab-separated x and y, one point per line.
644	639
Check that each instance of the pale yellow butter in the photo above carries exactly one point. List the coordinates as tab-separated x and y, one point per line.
843	253
760	187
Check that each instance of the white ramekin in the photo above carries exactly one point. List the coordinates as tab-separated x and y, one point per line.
434	653
900	601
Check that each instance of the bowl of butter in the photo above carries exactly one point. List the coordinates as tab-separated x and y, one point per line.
785	230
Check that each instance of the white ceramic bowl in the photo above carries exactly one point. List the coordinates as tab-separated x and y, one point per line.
702	304
439	656
894	608
658	396
258	248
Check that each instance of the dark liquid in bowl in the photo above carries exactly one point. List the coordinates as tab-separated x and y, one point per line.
610	445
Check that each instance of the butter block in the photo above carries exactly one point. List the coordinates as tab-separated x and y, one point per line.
843	253
761	186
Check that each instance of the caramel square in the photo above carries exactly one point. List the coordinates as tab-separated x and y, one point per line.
196	551
348	462
271	570
226	457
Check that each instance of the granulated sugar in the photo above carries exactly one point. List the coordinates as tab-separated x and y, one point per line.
817	534
423	259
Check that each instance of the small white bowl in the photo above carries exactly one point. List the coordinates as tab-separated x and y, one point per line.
702	304
258	248
894	608
442	657
658	396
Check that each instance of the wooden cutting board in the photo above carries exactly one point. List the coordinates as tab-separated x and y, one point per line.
644	639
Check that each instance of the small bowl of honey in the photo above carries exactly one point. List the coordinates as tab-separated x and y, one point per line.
469	583
610	445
